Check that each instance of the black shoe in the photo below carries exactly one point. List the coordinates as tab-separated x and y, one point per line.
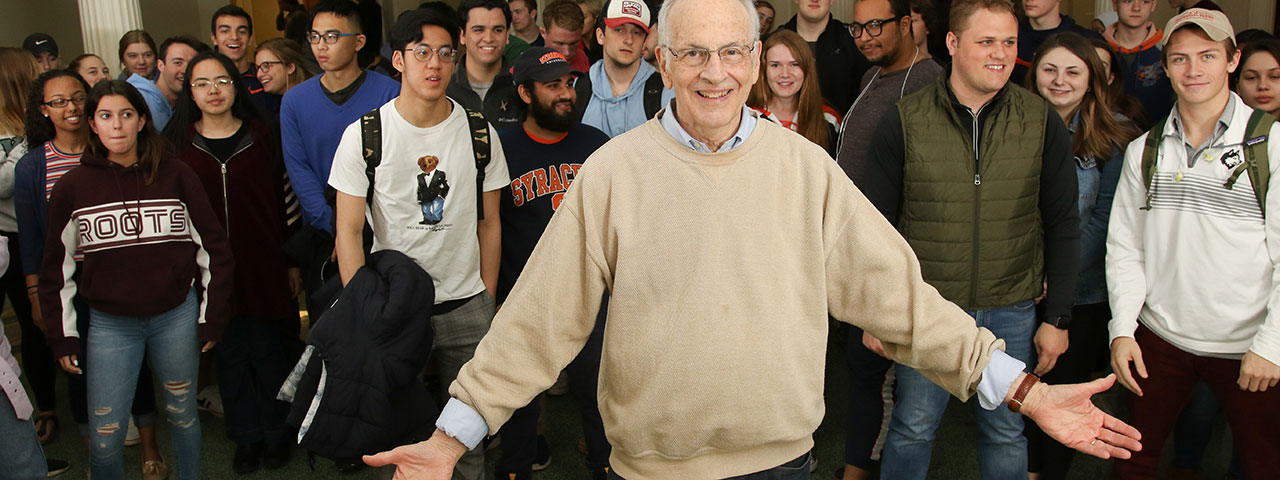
543	460
276	456
57	467
247	459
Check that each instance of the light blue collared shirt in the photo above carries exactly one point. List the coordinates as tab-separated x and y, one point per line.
668	120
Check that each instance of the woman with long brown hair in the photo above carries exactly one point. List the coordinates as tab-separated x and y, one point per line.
788	92
1070	75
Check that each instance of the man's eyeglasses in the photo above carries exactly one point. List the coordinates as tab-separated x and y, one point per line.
215	84
61	102
697	57
267	64
424	53
873	28
329	37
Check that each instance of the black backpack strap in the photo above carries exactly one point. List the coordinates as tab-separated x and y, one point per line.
653	94
479	146
371	144
1150	154
1256	159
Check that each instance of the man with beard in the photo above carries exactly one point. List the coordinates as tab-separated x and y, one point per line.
543	158
883	32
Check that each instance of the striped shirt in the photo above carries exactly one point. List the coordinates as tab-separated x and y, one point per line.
57	164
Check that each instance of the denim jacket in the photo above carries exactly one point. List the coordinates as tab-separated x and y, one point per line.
1097	186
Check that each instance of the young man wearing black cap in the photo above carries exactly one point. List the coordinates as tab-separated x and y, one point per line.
625	91
544	157
1201	309
45	49
442	231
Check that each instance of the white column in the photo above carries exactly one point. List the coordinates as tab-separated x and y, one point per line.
103	22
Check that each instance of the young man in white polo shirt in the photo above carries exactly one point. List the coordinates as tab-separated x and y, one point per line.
1192	255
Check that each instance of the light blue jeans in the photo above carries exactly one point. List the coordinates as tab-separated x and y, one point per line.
20	453
1002	449
116	348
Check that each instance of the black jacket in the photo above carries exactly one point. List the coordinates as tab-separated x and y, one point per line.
501	105
370	345
840	63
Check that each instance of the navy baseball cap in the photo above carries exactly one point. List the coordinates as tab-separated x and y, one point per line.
542	64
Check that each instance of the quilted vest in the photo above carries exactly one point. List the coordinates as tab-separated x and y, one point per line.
972	213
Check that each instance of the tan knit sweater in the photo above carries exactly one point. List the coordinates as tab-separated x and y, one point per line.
722	270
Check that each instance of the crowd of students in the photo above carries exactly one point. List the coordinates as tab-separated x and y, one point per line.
187	204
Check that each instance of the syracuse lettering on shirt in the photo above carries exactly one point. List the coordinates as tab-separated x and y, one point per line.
552	180
123	224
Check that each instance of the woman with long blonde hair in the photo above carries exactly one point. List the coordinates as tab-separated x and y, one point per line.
788	92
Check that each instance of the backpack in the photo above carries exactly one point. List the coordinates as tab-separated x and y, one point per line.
371	143
1255	157
653	94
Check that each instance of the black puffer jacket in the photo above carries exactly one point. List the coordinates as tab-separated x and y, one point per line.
358	392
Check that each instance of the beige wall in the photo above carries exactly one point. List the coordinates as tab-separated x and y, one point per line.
59	18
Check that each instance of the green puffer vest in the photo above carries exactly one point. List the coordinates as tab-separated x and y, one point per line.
973	222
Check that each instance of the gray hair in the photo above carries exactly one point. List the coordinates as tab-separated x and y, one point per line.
664	20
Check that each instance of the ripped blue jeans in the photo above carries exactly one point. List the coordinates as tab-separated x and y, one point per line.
116	346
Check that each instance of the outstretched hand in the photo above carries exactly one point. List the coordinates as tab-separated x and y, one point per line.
1067	414
430	460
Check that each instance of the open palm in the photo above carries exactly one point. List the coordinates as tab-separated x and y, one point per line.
1067	414
430	460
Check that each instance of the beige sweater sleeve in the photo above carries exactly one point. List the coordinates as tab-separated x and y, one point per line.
544	322
874	282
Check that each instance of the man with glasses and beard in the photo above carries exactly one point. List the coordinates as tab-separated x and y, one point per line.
544	157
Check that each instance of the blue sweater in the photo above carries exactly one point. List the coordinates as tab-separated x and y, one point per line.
311	126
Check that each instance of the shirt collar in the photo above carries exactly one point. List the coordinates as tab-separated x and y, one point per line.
668	120
1224	121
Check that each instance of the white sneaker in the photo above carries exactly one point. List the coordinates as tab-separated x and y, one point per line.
210	400
132	438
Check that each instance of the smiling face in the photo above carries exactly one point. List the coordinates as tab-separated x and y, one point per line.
622	44
710	97
425	81
173	70
275	75
983	54
1062	78
783	72
341	54
93	70
813	10
231	36
70	118
214	99
883	48
117	123
551	104
1198	68
485	35
139	59
1260	82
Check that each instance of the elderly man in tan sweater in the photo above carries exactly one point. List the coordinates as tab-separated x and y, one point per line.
725	242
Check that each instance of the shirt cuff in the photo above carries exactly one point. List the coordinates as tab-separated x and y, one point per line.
460	421
997	378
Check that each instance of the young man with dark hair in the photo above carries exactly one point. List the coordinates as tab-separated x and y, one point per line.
482	81
1201	309
312	118
231	32
625	90
524	29
884	34
544	157
1136	40
456	239
1044	18
840	64
985	194
171	63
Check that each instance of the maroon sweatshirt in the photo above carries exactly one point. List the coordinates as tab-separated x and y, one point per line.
145	247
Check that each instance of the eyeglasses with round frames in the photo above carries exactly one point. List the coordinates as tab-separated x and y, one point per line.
697	56
424	53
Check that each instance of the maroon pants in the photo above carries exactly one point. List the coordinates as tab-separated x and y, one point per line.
1172	373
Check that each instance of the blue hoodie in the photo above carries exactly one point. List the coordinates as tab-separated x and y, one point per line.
615	115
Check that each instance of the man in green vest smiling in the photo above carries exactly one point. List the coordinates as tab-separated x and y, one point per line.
976	174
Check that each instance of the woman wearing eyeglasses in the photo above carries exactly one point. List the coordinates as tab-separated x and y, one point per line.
788	91
280	67
219	132
156	275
